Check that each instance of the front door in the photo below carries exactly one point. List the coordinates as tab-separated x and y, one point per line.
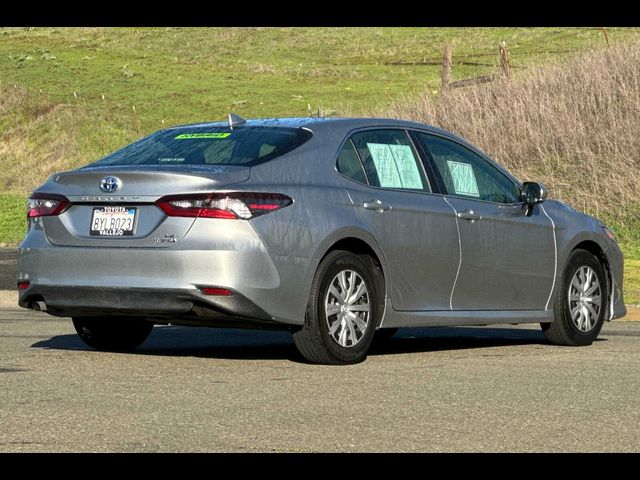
508	249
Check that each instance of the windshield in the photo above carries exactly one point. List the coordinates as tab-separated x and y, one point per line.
209	146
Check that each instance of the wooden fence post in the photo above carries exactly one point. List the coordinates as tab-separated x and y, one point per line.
446	67
606	37
504	60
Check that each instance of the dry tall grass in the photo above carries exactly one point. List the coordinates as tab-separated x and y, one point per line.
574	126
39	137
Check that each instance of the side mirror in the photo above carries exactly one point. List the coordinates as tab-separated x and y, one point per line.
533	192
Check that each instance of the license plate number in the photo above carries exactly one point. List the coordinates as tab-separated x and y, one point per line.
113	221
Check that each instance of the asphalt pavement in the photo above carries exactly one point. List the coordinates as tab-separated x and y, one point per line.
197	389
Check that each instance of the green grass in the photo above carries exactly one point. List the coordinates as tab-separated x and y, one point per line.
13	218
632	281
192	74
628	233
628	236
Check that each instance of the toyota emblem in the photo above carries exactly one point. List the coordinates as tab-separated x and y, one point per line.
110	184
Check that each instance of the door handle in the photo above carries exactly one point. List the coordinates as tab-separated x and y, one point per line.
377	205
469	215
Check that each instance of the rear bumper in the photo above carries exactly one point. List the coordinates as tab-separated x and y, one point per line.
166	281
188	306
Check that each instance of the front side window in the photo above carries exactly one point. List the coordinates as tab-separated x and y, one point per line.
209	146
390	160
466	174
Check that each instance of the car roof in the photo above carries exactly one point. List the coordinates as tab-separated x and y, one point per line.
341	126
315	123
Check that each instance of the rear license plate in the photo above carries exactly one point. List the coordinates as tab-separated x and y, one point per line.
113	221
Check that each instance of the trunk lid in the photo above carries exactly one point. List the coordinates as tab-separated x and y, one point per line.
137	188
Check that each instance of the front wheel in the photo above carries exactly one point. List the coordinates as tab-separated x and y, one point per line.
343	311
581	302
113	334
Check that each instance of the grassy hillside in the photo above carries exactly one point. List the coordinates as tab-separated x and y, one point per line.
68	96
193	74
632	282
13	218
71	95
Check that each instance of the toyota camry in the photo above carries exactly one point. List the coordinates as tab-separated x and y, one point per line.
338	230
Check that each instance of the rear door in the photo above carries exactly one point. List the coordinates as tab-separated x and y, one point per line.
415	229
508	250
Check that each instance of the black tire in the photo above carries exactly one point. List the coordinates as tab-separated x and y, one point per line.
313	340
112	334
563	330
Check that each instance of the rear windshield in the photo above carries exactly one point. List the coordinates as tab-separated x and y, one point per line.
209	146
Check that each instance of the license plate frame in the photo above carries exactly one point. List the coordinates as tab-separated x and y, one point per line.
115	217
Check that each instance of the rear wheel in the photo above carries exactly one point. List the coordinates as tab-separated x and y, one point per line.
580	306
343	311
116	334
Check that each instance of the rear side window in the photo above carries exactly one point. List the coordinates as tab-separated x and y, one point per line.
349	164
209	146
390	160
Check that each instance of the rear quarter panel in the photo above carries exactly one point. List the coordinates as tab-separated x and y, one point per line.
322	213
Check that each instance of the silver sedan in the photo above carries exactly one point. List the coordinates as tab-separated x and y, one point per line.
338	230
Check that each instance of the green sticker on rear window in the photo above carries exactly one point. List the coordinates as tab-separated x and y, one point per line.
190	136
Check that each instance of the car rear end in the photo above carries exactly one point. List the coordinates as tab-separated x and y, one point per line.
161	229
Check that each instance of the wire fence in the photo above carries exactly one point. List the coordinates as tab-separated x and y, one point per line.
503	56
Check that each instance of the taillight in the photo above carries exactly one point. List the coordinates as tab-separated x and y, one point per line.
220	292
230	205
46	205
